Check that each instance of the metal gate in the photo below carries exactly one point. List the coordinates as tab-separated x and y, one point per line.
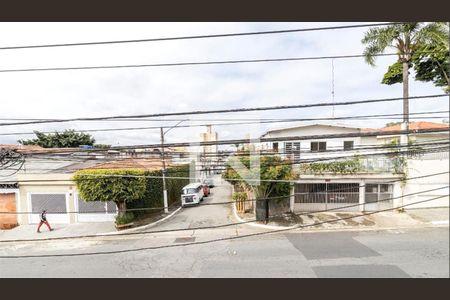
326	196
54	203
378	196
95	211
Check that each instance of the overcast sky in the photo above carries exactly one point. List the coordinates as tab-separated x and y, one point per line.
92	93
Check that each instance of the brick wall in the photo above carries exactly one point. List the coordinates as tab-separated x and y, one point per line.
8	204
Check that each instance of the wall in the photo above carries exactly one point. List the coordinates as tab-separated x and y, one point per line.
44	183
420	167
305	145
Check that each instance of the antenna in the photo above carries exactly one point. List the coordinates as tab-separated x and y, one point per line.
332	86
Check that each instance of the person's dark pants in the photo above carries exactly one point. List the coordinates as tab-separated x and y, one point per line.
46	223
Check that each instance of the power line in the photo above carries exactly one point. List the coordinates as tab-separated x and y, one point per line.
230	119
215	226
204	36
86	157
93	176
198	63
413	149
369	117
246	141
180	64
434	148
281	107
218	239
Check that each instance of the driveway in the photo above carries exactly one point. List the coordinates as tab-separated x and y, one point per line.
205	214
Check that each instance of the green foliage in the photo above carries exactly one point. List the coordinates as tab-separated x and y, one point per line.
154	193
119	185
125	218
413	43
336	167
432	63
239	196
392	124
271	168
394	74
135	191
66	139
399	160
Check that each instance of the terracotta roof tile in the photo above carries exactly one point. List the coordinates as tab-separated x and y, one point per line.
416	125
146	164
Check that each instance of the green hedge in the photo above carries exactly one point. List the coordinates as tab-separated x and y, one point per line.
137	192
154	193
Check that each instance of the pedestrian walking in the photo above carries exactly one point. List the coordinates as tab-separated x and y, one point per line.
44	221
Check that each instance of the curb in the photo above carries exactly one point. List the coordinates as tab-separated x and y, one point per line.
433	224
257	225
141	227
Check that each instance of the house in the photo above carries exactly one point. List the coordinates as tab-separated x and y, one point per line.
9	188
378	177
56	192
44	182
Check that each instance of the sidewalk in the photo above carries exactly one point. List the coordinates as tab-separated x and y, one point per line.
27	232
59	230
356	220
436	216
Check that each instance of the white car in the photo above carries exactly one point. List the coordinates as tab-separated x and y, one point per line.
209	182
192	194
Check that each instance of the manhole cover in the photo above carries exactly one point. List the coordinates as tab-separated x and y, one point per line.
184	239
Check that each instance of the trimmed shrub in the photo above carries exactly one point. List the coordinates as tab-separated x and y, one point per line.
126	218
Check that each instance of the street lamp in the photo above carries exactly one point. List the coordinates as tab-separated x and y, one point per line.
166	206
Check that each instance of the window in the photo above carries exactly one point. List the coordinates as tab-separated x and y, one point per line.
292	149
348	145
318	146
275	147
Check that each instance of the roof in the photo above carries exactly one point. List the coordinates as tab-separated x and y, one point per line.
146	164
416	125
412	126
310	125
192	185
20	147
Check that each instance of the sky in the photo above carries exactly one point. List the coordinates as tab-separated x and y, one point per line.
97	93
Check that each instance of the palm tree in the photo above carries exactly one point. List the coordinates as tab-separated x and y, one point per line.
406	38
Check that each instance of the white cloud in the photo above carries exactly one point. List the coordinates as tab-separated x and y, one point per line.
91	93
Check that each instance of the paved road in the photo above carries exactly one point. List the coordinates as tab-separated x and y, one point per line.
204	214
385	253
399	253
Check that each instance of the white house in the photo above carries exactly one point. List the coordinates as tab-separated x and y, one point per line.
377	184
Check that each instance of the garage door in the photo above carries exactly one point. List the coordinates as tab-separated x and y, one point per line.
8	204
95	211
326	196
54	204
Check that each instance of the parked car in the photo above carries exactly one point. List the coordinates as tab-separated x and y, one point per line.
209	182
206	190
192	194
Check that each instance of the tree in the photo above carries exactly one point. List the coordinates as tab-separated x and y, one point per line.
408	39
272	170
119	185
389	124
432	63
66	139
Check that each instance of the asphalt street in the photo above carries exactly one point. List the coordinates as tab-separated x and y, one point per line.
415	252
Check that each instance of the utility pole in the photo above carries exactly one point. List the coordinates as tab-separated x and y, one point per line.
166	206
